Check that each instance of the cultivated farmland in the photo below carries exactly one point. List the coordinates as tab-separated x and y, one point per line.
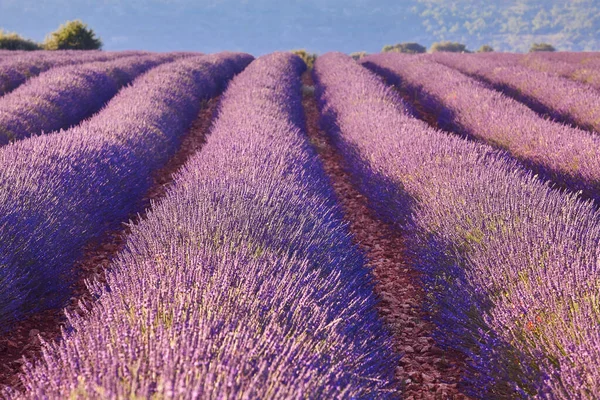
220	226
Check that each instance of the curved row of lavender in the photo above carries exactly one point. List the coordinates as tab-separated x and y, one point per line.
15	70
565	155
587	72
242	283
511	266
574	57
59	191
63	96
561	98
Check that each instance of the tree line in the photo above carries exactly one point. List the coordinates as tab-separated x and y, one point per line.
455	47
72	35
416	48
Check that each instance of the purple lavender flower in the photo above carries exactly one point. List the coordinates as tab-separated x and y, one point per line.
511	266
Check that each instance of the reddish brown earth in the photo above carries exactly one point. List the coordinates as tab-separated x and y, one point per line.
426	371
22	340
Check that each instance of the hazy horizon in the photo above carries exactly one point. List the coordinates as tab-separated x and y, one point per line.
262	26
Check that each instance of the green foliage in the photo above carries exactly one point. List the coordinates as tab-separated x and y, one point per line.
357	55
541	47
486	48
507	25
453	47
309	59
405	47
13	41
73	35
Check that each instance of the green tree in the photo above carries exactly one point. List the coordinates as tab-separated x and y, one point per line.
486	48
453	47
13	41
357	55
405	47
309	59
73	35
541	47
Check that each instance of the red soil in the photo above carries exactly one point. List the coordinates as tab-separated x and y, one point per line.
426	371
22	341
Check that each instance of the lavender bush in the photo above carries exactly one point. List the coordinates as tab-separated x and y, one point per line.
61	97
565	155
510	265
587	72
17	69
242	283
573	57
59	191
560	98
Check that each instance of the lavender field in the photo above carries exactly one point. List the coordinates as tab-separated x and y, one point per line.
184	226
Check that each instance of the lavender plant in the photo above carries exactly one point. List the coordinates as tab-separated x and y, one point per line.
573	57
587	72
14	71
560	98
511	267
59	191
242	283
63	96
562	154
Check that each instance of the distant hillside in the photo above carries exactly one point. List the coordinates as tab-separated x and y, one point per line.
262	26
511	25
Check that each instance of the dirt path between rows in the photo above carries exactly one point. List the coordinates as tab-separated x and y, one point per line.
22	340
425	370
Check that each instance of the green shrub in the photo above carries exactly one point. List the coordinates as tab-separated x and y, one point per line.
405	47
486	48
541	47
73	35
13	41
357	55
453	47
309	59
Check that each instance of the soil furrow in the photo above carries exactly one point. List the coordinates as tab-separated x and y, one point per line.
425	370
22	341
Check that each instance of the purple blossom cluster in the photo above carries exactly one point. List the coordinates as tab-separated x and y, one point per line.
573	57
59	191
511	266
560	98
6	54
565	155
63	96
242	283
15	70
588	71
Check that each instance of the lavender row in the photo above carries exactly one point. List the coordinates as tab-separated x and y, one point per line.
59	191
510	266
560	98
63	96
15	70
573	57
565	155
242	283
586	72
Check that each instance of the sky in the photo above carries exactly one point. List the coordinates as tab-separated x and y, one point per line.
254	26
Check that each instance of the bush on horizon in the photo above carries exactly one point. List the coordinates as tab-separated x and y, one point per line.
357	55
14	41
72	35
486	48
308	58
405	47
541	47
452	47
